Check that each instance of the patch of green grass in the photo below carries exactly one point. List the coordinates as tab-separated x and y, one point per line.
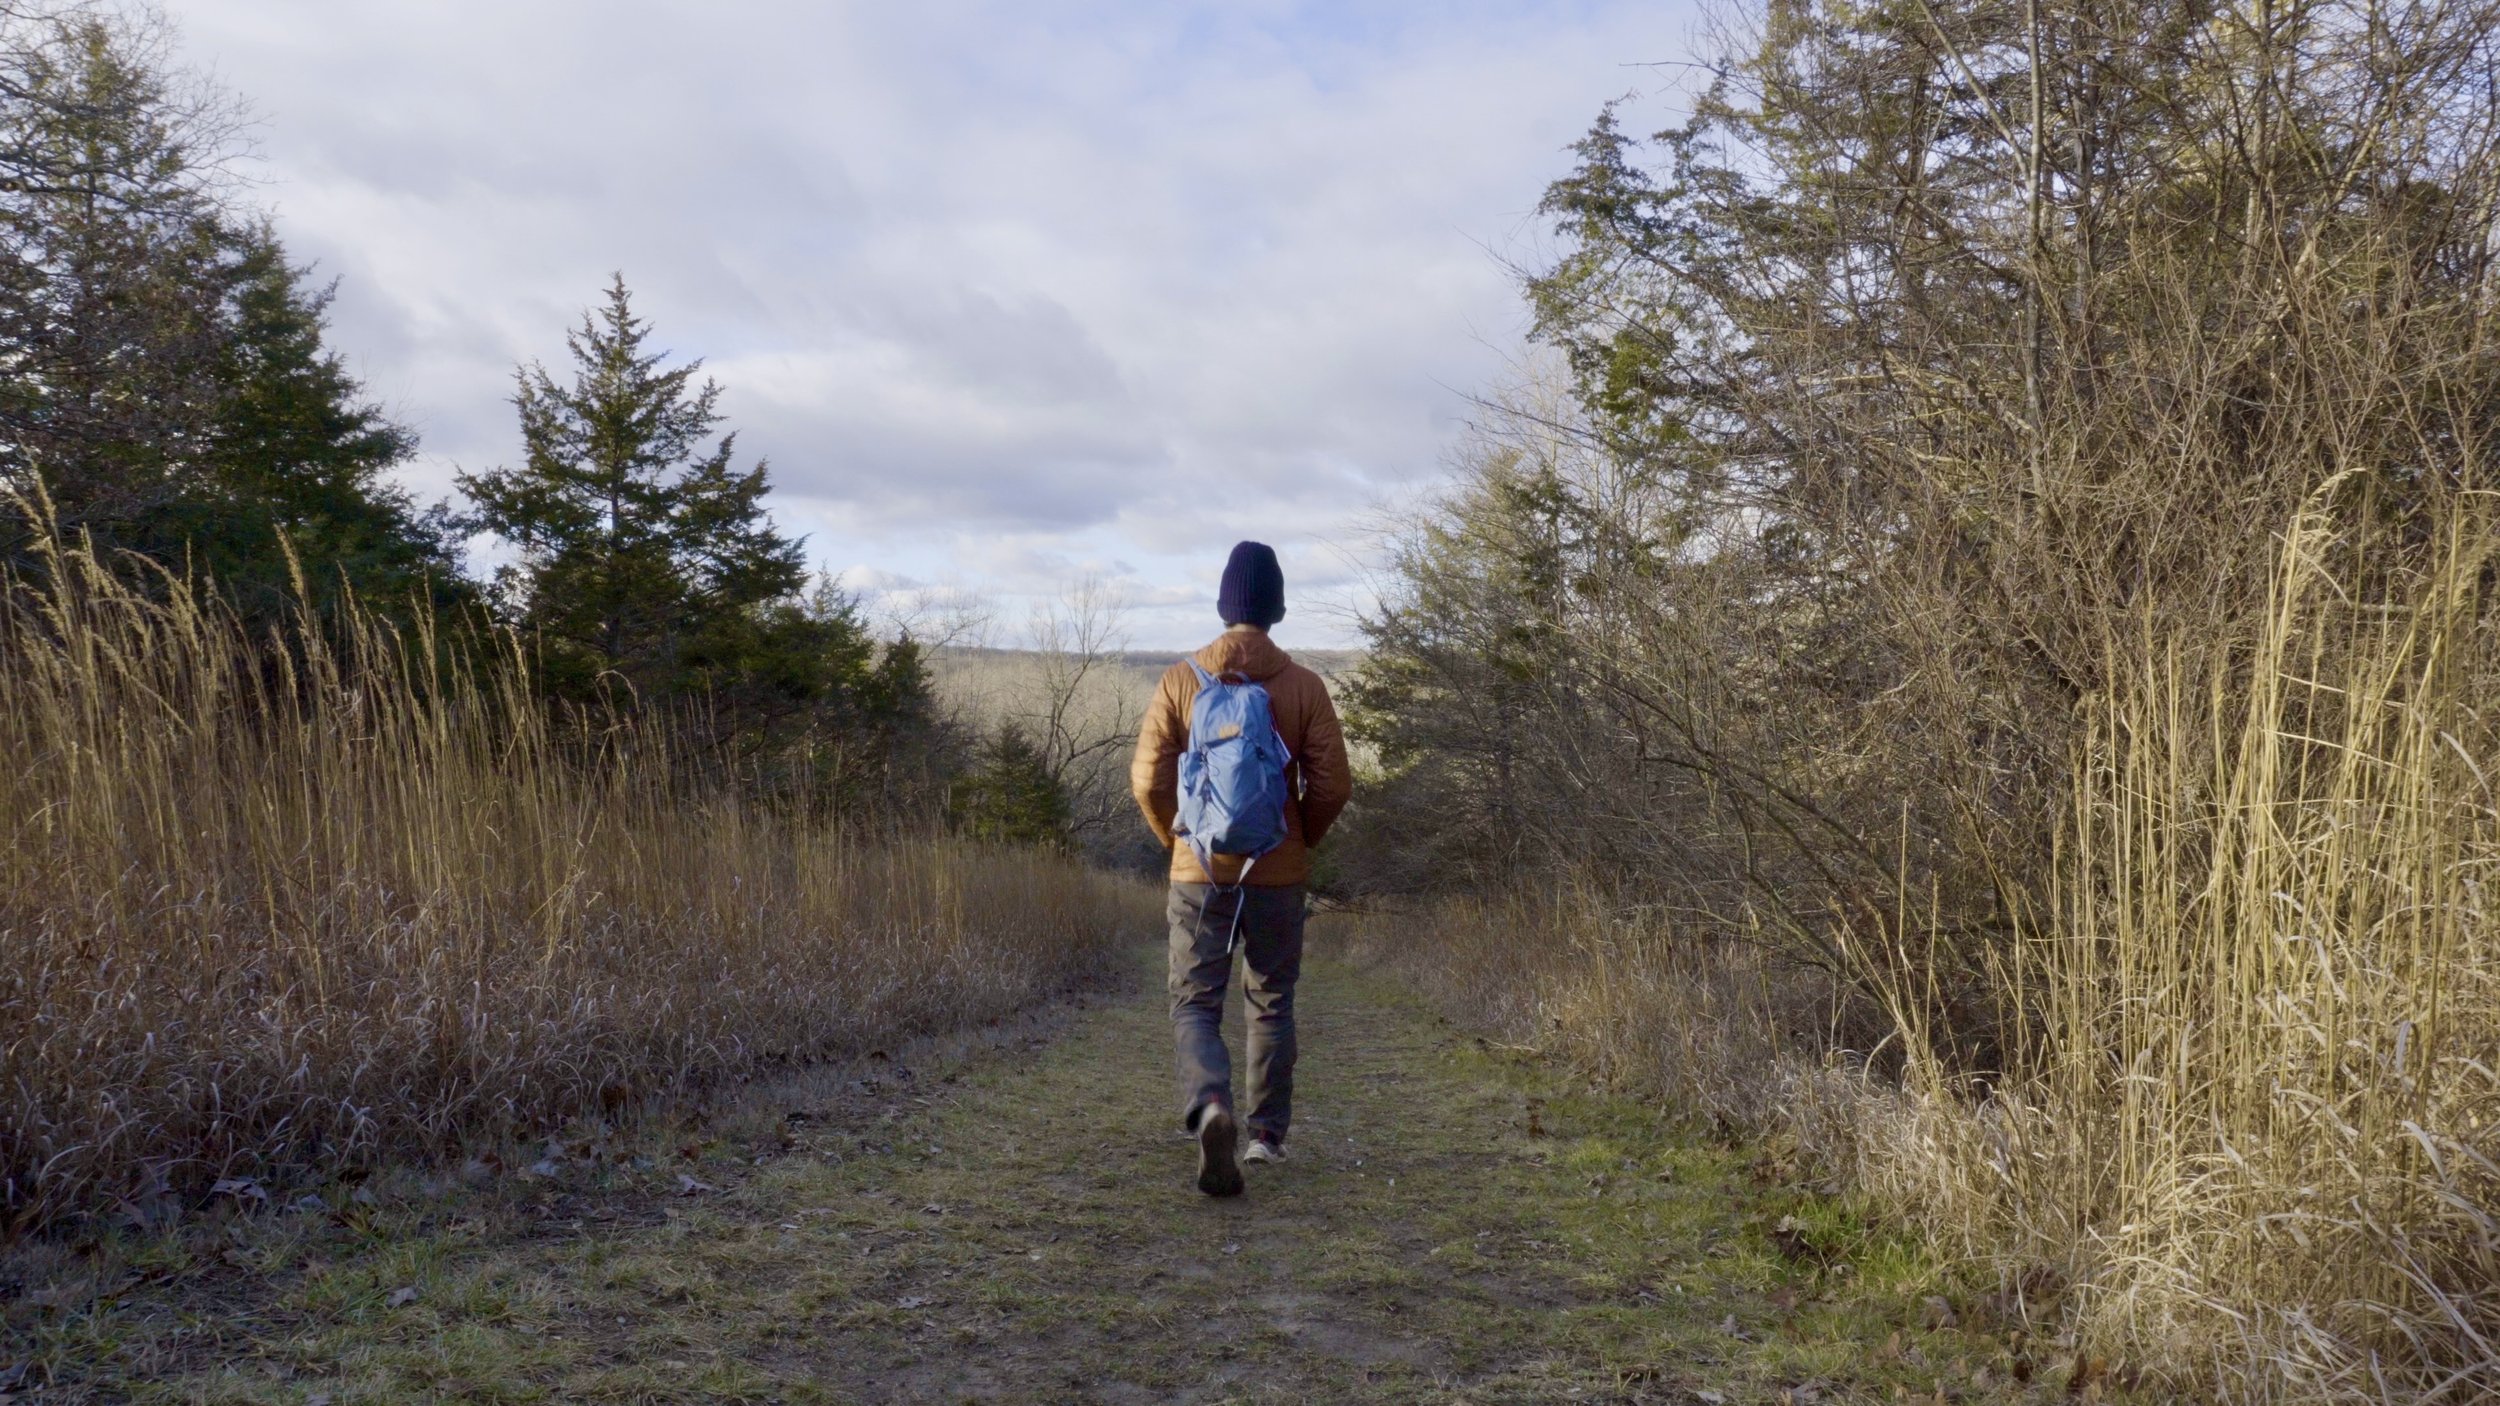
1457	1224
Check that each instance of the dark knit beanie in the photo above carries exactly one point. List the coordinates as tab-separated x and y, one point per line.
1254	587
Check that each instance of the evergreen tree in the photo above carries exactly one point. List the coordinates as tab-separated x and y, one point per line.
644	553
1011	796
163	378
297	462
113	270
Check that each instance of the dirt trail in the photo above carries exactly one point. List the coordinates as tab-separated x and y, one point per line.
1455	1225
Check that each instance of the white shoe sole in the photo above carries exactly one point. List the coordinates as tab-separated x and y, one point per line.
1219	1165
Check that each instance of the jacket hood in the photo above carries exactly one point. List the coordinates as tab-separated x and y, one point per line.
1249	653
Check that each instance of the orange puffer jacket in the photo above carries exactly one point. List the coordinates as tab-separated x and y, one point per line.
1319	780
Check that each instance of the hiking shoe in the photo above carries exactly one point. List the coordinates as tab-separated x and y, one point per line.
1265	1149
1219	1168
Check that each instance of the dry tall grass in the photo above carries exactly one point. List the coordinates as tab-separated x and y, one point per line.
1929	570
2252	1138
2263	1134
268	909
1721	1029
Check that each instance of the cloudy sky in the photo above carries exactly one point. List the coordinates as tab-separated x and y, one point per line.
1008	293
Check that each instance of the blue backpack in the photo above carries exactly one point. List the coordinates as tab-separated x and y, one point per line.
1232	778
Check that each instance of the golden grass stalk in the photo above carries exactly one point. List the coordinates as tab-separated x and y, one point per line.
1716	1026
2256	1123
2250	1135
277	906
2265	1109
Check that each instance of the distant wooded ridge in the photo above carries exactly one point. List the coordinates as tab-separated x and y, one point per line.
1329	663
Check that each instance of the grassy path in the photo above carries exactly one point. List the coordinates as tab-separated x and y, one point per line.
1015	1224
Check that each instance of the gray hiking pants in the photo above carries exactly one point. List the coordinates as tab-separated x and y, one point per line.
1270	940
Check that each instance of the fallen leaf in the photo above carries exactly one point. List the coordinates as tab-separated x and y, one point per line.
1790	1240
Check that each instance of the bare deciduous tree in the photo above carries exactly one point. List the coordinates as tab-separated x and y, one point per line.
1082	717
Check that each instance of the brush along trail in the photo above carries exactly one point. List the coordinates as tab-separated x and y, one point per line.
1011	1220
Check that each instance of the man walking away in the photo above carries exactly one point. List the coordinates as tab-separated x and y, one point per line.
1240	769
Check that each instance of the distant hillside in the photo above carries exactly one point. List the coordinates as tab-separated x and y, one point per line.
1331	664
967	673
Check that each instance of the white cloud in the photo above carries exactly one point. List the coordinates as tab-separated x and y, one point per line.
1000	289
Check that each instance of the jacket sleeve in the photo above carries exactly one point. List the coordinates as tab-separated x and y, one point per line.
1154	772
1327	777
